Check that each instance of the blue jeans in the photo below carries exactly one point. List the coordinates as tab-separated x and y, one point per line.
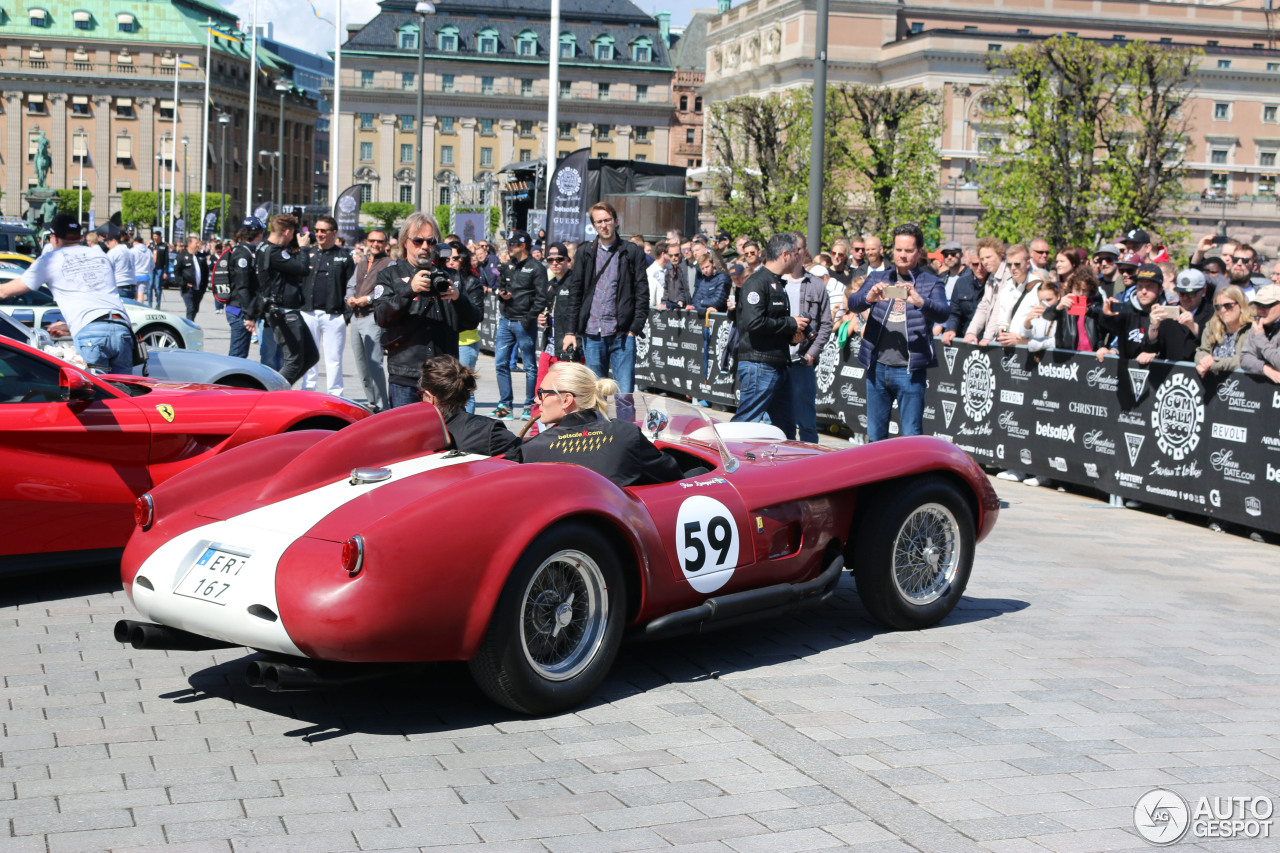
764	395
240	336
804	394
469	355
884	384
268	352
512	334
153	292
613	356
402	395
106	347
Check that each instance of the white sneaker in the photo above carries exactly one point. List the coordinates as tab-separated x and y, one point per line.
1031	481
1011	475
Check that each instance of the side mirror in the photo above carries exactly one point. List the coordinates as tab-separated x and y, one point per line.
75	386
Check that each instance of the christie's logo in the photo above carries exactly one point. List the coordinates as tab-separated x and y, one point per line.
1069	372
690	345
1009	424
1223	461
1229	392
978	388
1095	441
1015	370
1061	433
1227	432
1045	404
1013	398
1100	379
1177	416
1087	409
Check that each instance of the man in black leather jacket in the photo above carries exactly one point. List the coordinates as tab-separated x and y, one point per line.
419	319
244	284
282	269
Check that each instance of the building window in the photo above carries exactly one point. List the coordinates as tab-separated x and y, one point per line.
407	81
80	105
642	50
602	91
406	123
527	44
603	48
83	20
165	110
121	186
366	152
446	82
1218	182
1273	66
409	38
688	135
566	89
697	104
1221	112
366	193
642	134
486	85
446	155
406	152
487	41
1218	155
642	94
36	107
38	18
603	131
1224	63
126	23
566	130
1267	184
526	156
684	103
642	158
1267	159
917	26
366	121
406	193
993	48
526	88
124	107
446	195
446	124
1269	113
486	127
124	149
447	39
366	79
526	128
486	156
568	46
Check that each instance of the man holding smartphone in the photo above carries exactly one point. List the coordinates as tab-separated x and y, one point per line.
897	344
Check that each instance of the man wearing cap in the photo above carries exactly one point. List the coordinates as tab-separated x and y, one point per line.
1104	267
144	264
1138	243
366	336
243	280
724	245
1137	321
608	302
1260	353
120	257
1195	298
963	293
84	285
553	314
521	294
1127	267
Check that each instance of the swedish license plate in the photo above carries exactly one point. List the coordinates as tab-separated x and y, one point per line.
214	574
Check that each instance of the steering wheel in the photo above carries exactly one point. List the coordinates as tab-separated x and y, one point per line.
27	397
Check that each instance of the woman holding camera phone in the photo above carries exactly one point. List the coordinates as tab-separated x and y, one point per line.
1077	313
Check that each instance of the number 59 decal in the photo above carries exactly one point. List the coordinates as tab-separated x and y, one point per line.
706	542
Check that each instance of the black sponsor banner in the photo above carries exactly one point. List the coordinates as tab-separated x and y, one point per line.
1154	433
346	212
566	213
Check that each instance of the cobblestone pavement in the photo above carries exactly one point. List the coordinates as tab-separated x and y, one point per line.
1098	653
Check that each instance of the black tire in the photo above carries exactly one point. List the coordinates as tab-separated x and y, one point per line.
161	336
532	660
914	552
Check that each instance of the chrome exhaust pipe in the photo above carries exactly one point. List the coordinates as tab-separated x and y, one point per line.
147	635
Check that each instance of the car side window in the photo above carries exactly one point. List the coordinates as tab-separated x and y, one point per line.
24	379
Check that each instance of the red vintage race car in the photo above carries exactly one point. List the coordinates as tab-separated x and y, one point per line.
533	572
77	449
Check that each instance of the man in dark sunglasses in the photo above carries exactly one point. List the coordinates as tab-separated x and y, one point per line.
324	297
420	311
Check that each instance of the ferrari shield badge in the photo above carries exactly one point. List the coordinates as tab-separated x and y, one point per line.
166	412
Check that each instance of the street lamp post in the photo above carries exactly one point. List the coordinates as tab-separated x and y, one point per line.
224	119
423	8
283	87
185	205
160	197
274	155
84	148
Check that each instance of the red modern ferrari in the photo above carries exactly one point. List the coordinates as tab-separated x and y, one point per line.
340	556
77	449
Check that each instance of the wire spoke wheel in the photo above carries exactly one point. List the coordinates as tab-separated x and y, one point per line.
563	615
926	555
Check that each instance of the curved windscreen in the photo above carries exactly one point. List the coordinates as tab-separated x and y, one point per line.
665	419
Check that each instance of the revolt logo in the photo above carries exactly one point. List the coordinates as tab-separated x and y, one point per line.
1013	398
1061	433
1227	432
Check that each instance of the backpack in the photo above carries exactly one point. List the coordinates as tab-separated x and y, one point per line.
220	277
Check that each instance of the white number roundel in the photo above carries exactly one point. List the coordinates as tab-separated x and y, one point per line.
706	542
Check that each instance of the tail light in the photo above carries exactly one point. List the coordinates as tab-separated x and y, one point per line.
144	512
353	555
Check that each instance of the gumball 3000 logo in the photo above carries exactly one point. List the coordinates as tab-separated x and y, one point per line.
1178	415
978	387
826	372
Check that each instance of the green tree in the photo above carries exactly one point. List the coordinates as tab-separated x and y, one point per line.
888	143
387	212
137	207
69	200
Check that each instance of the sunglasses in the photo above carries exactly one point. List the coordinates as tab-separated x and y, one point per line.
1241	259
1017	265
375	240
1226	306
950	254
556	259
839	254
543	392
324	230
418	241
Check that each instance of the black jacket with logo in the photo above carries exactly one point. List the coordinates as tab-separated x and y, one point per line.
328	272
282	272
527	281
765	324
417	326
243	278
185	271
614	449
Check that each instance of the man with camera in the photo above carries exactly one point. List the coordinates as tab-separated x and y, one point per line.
419	309
522	286
906	301
282	271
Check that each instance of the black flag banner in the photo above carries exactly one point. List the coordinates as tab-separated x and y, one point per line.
347	212
567	199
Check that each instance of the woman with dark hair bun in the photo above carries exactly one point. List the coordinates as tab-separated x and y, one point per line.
448	384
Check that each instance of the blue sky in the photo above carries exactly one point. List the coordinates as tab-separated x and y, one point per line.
296	22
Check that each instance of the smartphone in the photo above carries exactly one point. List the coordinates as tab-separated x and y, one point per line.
894	291
1171	312
1079	305
1220	239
